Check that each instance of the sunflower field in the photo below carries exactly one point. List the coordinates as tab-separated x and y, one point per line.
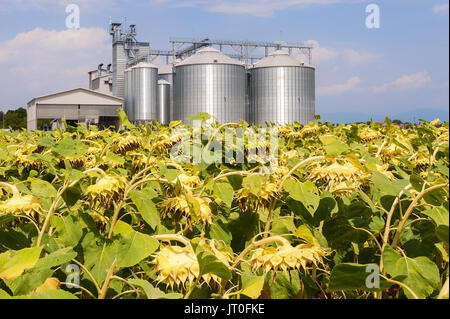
355	211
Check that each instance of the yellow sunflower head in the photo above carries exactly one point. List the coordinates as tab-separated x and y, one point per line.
126	143
286	257
23	157
248	201
164	142
75	162
179	206
106	189
312	129
369	134
19	204
176	265
339	179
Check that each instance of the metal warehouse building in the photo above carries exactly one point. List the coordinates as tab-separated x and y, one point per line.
81	105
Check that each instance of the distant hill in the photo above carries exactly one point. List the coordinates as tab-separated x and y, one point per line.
410	116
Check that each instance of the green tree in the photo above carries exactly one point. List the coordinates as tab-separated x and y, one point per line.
16	119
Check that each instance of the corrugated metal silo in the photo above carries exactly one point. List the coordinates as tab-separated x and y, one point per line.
163	104
211	82
128	103
166	73
282	90
144	86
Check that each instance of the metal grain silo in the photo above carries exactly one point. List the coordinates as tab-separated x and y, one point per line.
211	82
166	73
128	103
282	90
144	97
163	104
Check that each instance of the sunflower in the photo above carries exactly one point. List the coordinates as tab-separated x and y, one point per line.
74	161
339	179
179	206
286	257
127	143
248	201
312	129
369	134
106	189
19	204
164	142
176	265
23	157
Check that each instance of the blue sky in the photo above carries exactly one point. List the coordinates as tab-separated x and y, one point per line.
400	69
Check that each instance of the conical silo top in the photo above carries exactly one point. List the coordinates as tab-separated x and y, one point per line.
209	55
276	59
168	68
144	65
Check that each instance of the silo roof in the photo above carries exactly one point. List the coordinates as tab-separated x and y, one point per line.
209	55
144	65
168	68
276	59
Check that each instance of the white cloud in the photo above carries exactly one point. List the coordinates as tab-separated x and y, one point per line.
350	85
406	82
321	54
441	8
259	8
44	61
354	58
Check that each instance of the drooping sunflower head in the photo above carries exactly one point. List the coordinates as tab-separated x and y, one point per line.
340	179
24	158
164	142
188	181
369	134
286	257
179	206
248	201
92	135
107	188
19	204
443	134
176	265
312	129
140	160
74	161
126	143
100	220
422	158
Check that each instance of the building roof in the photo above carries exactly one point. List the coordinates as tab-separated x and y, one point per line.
87	91
209	55
277	59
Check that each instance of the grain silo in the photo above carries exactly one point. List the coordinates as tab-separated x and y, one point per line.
163	103
128	103
144	97
211	82
166	73
282	90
